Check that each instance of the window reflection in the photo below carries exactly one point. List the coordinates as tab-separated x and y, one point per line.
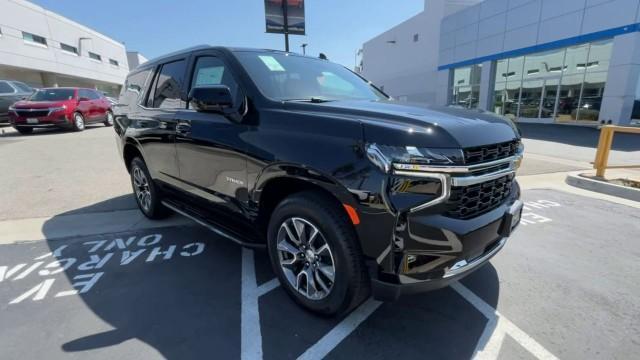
466	86
562	84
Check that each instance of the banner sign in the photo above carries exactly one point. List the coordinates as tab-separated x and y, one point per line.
274	13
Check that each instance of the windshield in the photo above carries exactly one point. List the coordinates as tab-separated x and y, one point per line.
52	95
291	77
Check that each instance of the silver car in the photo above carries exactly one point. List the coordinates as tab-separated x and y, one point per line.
10	92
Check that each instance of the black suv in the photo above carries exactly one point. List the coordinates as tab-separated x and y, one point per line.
351	192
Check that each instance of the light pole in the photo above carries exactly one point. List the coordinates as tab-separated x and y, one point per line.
286	25
355	59
304	46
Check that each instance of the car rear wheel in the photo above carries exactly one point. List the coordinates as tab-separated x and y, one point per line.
109	119
146	192
315	253
78	122
24	131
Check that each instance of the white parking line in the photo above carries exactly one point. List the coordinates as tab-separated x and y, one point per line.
251	336
488	346
497	327
268	286
334	337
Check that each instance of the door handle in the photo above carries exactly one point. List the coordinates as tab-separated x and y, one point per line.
183	128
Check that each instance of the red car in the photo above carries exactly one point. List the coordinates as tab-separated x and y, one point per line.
70	108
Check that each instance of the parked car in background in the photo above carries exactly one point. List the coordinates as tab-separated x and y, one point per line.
351	192
10	92
69	108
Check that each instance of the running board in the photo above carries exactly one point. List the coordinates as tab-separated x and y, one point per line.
216	229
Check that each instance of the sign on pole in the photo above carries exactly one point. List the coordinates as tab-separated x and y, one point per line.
275	17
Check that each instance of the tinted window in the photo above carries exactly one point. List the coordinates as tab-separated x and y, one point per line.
94	95
283	77
5	88
84	93
168	84
52	95
212	71
134	87
22	87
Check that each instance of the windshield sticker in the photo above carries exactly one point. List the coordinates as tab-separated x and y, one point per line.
271	63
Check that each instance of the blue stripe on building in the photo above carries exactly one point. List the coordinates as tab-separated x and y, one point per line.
599	35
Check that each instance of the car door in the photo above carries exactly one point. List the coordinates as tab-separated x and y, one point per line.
209	146
84	104
100	105
156	120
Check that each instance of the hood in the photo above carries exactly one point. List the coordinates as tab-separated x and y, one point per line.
401	124
26	104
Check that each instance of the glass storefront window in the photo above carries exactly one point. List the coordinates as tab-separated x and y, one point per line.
570	89
563	84
466	86
576	59
599	56
546	64
512	99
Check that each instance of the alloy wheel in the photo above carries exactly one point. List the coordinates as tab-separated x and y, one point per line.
305	258
141	188
79	121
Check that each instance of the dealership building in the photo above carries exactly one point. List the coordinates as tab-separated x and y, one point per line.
548	61
44	49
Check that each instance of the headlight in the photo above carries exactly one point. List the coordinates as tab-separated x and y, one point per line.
11	108
60	108
406	157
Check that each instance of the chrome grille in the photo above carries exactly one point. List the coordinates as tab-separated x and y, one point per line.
480	154
470	201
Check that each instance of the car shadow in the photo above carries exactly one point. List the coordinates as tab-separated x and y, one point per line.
576	135
188	306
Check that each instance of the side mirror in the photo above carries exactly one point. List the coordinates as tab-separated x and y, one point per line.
211	98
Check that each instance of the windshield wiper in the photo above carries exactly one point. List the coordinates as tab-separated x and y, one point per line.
312	99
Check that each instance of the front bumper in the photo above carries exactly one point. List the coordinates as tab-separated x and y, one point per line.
433	246
58	119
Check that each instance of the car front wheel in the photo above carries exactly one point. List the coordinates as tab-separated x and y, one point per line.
78	122
315	253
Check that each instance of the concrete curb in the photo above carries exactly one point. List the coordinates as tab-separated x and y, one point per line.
575	179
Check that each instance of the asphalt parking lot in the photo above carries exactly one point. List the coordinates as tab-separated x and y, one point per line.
565	286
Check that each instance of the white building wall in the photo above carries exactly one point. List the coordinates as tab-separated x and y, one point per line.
407	69
20	58
134	59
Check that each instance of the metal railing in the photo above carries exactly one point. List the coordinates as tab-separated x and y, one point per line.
601	162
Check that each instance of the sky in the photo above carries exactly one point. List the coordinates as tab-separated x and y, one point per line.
337	28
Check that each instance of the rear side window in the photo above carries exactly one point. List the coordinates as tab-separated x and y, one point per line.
22	87
94	95
84	94
135	83
167	86
5	88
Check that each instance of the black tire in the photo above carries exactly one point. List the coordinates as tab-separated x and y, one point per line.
351	284
24	130
78	122
108	115
153	209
